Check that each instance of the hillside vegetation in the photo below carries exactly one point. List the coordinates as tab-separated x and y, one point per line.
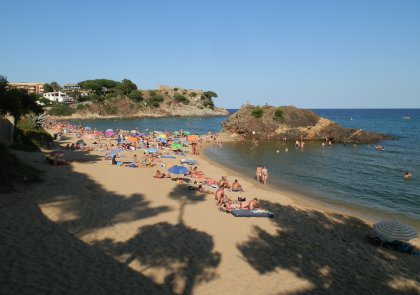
102	97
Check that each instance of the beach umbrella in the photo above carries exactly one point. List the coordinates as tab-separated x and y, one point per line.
134	131
176	146
176	133
109	132
131	139
187	132
151	151
163	140
192	138
178	169
88	128
162	135
394	231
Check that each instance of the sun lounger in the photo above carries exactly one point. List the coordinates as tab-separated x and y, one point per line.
252	213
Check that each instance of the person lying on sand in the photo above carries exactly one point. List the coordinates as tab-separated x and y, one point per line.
201	189
161	175
236	187
251	205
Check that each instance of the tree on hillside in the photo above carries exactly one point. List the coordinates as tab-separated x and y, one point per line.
98	85
53	86
16	102
48	87
125	87
210	94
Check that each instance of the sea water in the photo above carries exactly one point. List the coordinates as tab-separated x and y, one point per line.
356	176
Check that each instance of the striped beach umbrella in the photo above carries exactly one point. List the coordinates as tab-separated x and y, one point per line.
394	231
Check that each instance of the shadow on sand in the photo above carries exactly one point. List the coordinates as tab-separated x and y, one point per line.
39	256
330	252
185	253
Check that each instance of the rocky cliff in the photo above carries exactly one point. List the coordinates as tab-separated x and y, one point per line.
277	122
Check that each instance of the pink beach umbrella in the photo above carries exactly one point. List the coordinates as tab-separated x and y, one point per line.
109	133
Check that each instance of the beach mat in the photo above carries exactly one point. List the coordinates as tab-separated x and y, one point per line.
252	213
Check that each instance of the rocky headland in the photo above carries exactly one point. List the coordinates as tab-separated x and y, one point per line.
268	122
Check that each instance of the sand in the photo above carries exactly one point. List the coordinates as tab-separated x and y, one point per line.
94	228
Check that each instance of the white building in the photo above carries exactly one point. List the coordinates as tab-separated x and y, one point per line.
58	97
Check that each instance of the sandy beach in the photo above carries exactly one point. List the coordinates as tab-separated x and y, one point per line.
95	228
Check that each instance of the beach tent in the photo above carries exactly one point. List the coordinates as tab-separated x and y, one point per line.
390	231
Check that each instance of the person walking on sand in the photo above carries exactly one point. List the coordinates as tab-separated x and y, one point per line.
264	175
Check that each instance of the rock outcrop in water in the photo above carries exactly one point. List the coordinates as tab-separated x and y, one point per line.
269	122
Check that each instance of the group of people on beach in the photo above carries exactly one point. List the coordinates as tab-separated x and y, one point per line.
261	175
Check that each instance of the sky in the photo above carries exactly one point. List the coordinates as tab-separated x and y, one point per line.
310	54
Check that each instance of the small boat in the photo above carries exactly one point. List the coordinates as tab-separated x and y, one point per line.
379	148
406	117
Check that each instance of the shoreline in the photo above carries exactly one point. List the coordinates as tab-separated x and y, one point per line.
305	200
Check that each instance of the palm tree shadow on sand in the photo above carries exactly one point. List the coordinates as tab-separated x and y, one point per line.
330	252
185	253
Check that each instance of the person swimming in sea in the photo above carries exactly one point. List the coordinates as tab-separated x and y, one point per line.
407	175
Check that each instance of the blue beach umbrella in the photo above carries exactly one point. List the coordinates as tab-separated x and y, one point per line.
178	169
394	231
151	150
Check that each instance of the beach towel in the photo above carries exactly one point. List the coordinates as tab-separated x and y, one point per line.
168	156
252	213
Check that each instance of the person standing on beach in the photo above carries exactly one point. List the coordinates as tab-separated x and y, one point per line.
264	175
258	173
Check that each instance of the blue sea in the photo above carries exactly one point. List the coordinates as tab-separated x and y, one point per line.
357	177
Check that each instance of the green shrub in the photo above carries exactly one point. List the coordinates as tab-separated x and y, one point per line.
181	98
278	114
176	89
31	139
94	98
152	93
21	174
61	110
81	107
155	100
193	94
257	112
135	95
208	103
111	109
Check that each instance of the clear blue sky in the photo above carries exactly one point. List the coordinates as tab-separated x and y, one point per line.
311	54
